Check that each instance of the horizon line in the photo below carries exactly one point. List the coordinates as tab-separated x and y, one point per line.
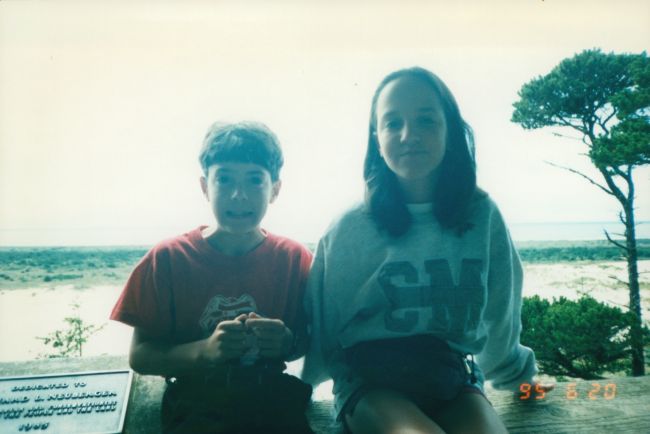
148	246
512	222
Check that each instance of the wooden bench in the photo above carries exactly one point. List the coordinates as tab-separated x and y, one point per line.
623	408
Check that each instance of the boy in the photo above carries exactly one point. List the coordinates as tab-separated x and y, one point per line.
217	310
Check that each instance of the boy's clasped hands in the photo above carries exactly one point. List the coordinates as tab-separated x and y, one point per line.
250	335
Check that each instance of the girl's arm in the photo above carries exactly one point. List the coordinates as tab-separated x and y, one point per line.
314	369
504	360
298	327
324	359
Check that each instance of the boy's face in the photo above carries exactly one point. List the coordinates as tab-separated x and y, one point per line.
239	194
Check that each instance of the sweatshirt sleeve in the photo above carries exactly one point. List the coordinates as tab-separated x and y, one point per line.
324	359
314	370
504	361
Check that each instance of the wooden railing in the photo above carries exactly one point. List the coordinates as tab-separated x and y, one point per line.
615	405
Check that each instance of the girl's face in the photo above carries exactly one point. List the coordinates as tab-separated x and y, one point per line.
411	131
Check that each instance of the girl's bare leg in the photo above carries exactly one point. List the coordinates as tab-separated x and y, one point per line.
470	413
383	411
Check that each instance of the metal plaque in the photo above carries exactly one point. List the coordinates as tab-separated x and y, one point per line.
75	403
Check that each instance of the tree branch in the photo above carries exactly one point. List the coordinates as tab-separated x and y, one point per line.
602	125
619	172
613	188
623	305
566	123
630	187
621	281
616	243
607	119
569	137
583	175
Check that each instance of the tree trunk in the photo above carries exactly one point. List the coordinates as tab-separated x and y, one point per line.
636	332
630	251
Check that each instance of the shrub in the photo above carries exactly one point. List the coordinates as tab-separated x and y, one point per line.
583	338
69	342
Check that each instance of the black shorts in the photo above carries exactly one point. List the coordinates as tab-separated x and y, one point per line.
252	402
423	368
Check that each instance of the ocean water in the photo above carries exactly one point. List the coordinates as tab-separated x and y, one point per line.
94	236
574	231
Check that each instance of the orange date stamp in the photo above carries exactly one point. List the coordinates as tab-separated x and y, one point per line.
593	392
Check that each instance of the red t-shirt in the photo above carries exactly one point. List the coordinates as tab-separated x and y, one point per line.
183	287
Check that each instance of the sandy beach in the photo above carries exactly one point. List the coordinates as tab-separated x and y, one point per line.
30	312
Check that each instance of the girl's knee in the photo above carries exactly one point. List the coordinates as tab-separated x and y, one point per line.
470	413
388	412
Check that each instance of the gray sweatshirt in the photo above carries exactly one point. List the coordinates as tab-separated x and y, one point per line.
365	285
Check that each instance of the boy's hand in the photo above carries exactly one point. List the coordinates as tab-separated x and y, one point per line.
274	339
228	341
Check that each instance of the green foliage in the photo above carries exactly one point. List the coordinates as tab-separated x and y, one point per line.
632	99
53	277
77	266
564	251
69	342
629	140
583	338
604	96
573	90
627	144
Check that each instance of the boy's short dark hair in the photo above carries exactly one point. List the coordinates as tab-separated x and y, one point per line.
242	142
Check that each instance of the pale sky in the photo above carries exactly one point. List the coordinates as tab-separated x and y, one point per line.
103	105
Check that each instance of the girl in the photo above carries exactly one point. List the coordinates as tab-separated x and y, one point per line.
408	286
